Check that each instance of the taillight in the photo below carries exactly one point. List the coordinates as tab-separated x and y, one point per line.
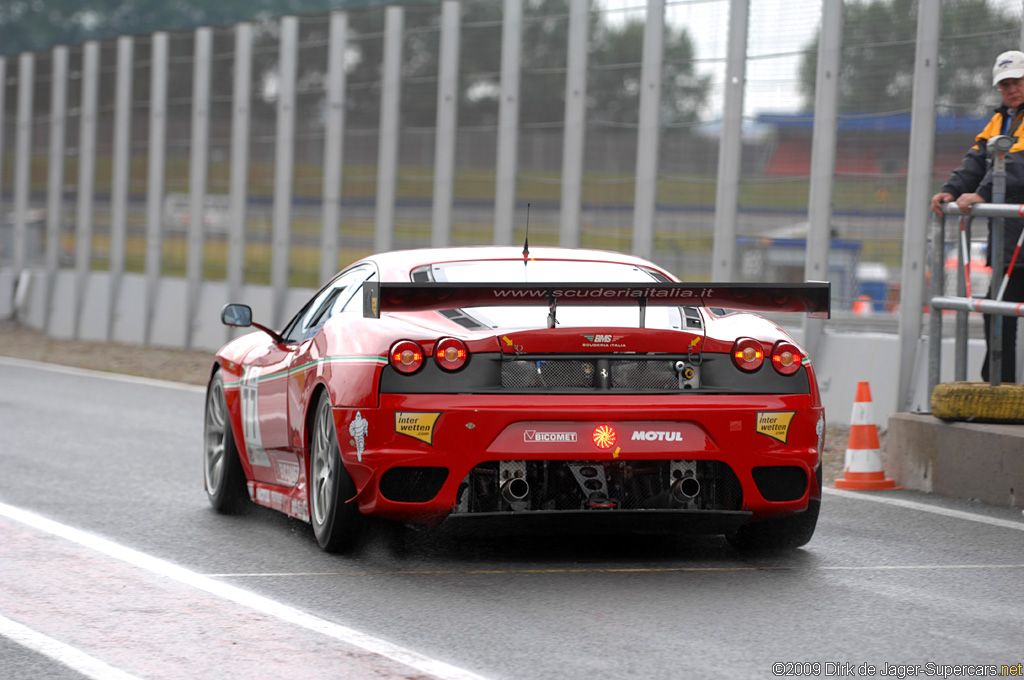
406	356
747	354
450	354
786	358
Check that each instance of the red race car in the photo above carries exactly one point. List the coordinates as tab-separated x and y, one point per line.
566	385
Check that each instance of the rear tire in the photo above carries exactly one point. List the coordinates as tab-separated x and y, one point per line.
336	523
784	533
223	476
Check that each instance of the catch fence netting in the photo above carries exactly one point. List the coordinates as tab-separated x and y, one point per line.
869	178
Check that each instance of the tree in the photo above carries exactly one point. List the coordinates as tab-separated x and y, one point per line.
615	93
31	25
613	80
877	70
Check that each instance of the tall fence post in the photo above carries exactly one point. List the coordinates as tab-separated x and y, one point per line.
919	190
823	158
334	145
447	117
86	178
284	165
23	158
120	181
55	175
730	146
648	129
508	123
238	182
387	149
197	177
575	124
155	177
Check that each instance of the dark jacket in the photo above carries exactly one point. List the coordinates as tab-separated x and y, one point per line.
975	175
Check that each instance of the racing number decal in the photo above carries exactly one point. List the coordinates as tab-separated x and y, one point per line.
251	418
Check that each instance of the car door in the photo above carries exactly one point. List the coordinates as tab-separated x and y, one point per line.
264	413
301	364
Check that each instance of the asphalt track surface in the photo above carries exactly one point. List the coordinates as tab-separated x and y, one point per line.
112	565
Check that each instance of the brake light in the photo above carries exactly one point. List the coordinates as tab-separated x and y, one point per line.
786	358
450	354
747	354
406	356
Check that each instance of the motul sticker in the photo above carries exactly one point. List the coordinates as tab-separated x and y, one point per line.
775	424
548	437
656	436
416	425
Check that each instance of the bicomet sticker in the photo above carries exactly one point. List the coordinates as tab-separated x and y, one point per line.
775	424
416	425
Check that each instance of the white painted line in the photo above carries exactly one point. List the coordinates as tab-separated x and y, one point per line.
924	507
76	660
925	567
265	605
627	570
89	373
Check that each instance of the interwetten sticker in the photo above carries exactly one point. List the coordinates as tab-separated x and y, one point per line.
775	424
416	425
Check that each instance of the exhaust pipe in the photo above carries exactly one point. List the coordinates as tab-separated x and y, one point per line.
684	489
515	490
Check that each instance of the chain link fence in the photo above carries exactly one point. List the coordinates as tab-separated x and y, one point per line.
872	140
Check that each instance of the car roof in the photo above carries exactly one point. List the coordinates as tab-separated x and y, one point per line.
397	265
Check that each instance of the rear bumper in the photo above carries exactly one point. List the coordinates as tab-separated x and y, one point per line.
769	442
583	522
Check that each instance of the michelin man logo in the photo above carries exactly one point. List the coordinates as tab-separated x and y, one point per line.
357	429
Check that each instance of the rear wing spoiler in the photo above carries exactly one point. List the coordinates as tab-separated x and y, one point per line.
813	298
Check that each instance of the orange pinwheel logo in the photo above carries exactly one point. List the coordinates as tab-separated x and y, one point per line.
604	436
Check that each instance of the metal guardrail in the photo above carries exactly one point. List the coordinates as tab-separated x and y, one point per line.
965	302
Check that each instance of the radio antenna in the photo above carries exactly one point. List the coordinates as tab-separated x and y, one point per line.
526	243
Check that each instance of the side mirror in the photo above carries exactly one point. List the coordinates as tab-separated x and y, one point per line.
239	316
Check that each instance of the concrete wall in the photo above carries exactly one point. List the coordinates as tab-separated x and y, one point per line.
959	460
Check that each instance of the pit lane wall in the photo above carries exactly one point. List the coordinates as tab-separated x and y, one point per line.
843	358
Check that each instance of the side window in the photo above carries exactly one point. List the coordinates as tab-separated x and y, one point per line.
312	316
352	300
338	294
320	314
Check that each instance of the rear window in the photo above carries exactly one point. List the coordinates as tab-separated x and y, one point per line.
556	271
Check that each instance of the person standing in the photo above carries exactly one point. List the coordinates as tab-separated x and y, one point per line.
972	183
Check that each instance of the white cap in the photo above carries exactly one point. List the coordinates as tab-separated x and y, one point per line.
1008	65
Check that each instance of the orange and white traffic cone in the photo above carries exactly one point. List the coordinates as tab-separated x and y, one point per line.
863	453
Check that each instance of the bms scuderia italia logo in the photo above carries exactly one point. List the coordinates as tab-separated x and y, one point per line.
602	340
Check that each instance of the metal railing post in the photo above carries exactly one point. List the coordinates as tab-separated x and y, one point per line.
994	307
997	147
960	351
937	237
